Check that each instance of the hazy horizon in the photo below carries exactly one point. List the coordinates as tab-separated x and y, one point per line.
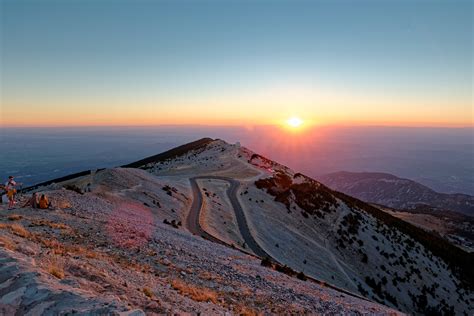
440	158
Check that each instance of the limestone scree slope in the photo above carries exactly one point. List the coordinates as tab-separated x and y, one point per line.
117	241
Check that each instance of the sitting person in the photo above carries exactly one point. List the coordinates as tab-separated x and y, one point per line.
32	202
43	202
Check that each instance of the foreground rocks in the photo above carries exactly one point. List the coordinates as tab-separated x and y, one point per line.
27	290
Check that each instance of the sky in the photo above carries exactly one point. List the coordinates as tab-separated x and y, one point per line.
104	62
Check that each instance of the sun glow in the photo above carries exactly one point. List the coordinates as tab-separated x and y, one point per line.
294	122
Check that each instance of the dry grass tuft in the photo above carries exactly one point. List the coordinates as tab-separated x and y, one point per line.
59	226
82	251
195	293
246	311
19	230
56	246
50	224
206	276
54	271
59	248
56	268
15	217
147	292
7	243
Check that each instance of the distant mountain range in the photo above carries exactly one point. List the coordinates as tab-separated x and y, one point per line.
389	190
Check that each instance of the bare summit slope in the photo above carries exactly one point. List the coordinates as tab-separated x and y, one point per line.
328	235
116	243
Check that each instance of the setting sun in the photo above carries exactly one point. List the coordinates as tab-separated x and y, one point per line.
294	122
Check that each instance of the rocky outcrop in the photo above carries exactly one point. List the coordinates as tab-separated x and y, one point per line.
25	290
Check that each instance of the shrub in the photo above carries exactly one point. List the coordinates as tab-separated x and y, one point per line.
285	269
266	262
73	187
362	290
459	260
301	276
365	259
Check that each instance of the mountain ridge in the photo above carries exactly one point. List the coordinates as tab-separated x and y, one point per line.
390	190
301	223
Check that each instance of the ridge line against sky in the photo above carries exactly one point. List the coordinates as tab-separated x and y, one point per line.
91	63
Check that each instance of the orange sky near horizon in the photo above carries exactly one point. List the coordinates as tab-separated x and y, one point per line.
267	105
21	115
395	63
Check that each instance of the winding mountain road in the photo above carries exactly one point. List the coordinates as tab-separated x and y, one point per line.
194	225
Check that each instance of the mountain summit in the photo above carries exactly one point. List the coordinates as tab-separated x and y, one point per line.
214	227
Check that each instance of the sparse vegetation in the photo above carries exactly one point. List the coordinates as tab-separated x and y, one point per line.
14	217
19	230
364	259
266	262
173	223
54	271
56	268
171	154
198	294
74	188
459	261
285	269
169	190
42	222
308	195
301	276
147	292
7	243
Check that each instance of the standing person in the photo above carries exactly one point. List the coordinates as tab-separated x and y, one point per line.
11	192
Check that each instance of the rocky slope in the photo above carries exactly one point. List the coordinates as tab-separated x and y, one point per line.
455	227
329	235
391	191
113	244
123	234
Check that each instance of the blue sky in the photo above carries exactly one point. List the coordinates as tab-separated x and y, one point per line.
331	61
